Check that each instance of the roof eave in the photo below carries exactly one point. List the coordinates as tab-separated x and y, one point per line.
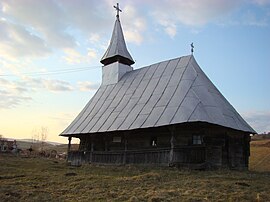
117	58
252	131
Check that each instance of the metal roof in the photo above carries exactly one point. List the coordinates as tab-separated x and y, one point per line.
170	92
117	50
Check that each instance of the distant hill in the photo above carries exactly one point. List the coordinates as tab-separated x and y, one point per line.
47	146
31	140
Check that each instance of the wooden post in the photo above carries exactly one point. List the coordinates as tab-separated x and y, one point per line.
172	141
247	139
69	146
125	152
92	150
69	143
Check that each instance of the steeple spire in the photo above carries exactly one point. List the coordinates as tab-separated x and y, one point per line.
117	50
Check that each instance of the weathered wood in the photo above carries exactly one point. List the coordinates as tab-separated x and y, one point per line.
156	156
92	150
69	143
75	158
191	155
172	142
219	147
125	151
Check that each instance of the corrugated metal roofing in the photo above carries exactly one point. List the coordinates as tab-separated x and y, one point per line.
166	93
117	50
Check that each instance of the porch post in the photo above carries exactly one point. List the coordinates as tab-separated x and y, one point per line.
172	141
125	152
69	146
69	143
92	149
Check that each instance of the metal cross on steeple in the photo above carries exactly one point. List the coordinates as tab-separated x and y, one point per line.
117	9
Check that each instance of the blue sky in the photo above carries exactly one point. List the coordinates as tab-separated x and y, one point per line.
50	52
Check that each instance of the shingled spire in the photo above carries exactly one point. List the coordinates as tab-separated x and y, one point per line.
117	50
116	59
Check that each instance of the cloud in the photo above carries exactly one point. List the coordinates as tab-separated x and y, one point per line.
89	15
251	19
9	100
88	86
261	2
12	94
35	29
169	26
259	120
17	42
32	28
193	13
16	92
12	87
133	31
74	57
94	38
46	18
92	53
197	13
51	85
57	85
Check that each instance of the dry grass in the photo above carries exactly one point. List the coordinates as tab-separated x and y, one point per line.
34	179
260	155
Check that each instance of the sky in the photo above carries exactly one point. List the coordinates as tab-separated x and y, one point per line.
50	52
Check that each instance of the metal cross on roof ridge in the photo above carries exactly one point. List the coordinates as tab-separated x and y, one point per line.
117	9
192	48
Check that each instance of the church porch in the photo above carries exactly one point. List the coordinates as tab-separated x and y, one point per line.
187	145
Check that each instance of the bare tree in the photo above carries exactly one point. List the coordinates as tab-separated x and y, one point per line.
43	136
35	135
39	135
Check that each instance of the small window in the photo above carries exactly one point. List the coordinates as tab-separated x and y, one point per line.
117	139
153	142
196	139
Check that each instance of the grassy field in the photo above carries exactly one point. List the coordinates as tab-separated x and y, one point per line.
260	155
36	179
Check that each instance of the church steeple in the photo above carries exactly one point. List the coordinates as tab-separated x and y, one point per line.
117	50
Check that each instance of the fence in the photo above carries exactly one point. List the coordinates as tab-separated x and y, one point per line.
191	154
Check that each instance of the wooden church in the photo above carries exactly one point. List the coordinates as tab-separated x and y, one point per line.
168	113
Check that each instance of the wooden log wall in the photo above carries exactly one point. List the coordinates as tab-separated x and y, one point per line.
221	147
